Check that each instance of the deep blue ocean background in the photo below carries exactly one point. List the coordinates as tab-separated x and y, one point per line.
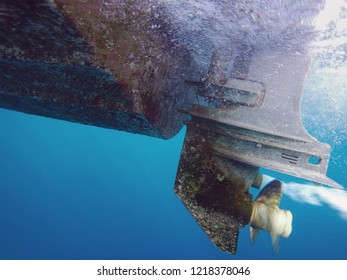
71	191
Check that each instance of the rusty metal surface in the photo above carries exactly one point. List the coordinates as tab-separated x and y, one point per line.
94	62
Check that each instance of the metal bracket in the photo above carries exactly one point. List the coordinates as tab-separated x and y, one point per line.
268	131
297	157
234	92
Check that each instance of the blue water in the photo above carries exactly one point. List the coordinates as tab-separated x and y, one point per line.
71	191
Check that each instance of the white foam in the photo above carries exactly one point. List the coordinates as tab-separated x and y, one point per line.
314	195
317	195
